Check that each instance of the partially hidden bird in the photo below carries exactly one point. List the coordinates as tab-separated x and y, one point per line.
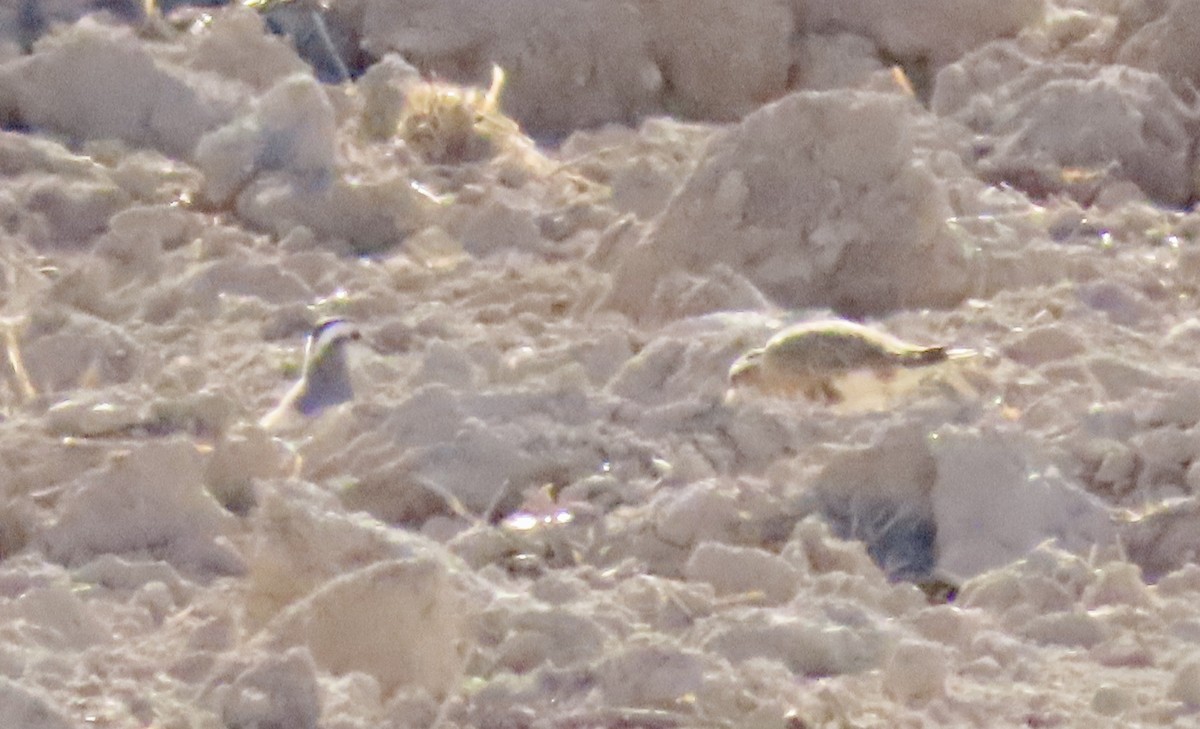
324	380
808	358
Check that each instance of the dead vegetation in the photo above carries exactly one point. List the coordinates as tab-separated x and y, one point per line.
450	124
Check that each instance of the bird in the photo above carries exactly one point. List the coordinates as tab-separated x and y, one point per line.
324	381
806	358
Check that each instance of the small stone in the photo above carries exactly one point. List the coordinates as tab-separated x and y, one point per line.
1112	700
738	570
917	671
1186	686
